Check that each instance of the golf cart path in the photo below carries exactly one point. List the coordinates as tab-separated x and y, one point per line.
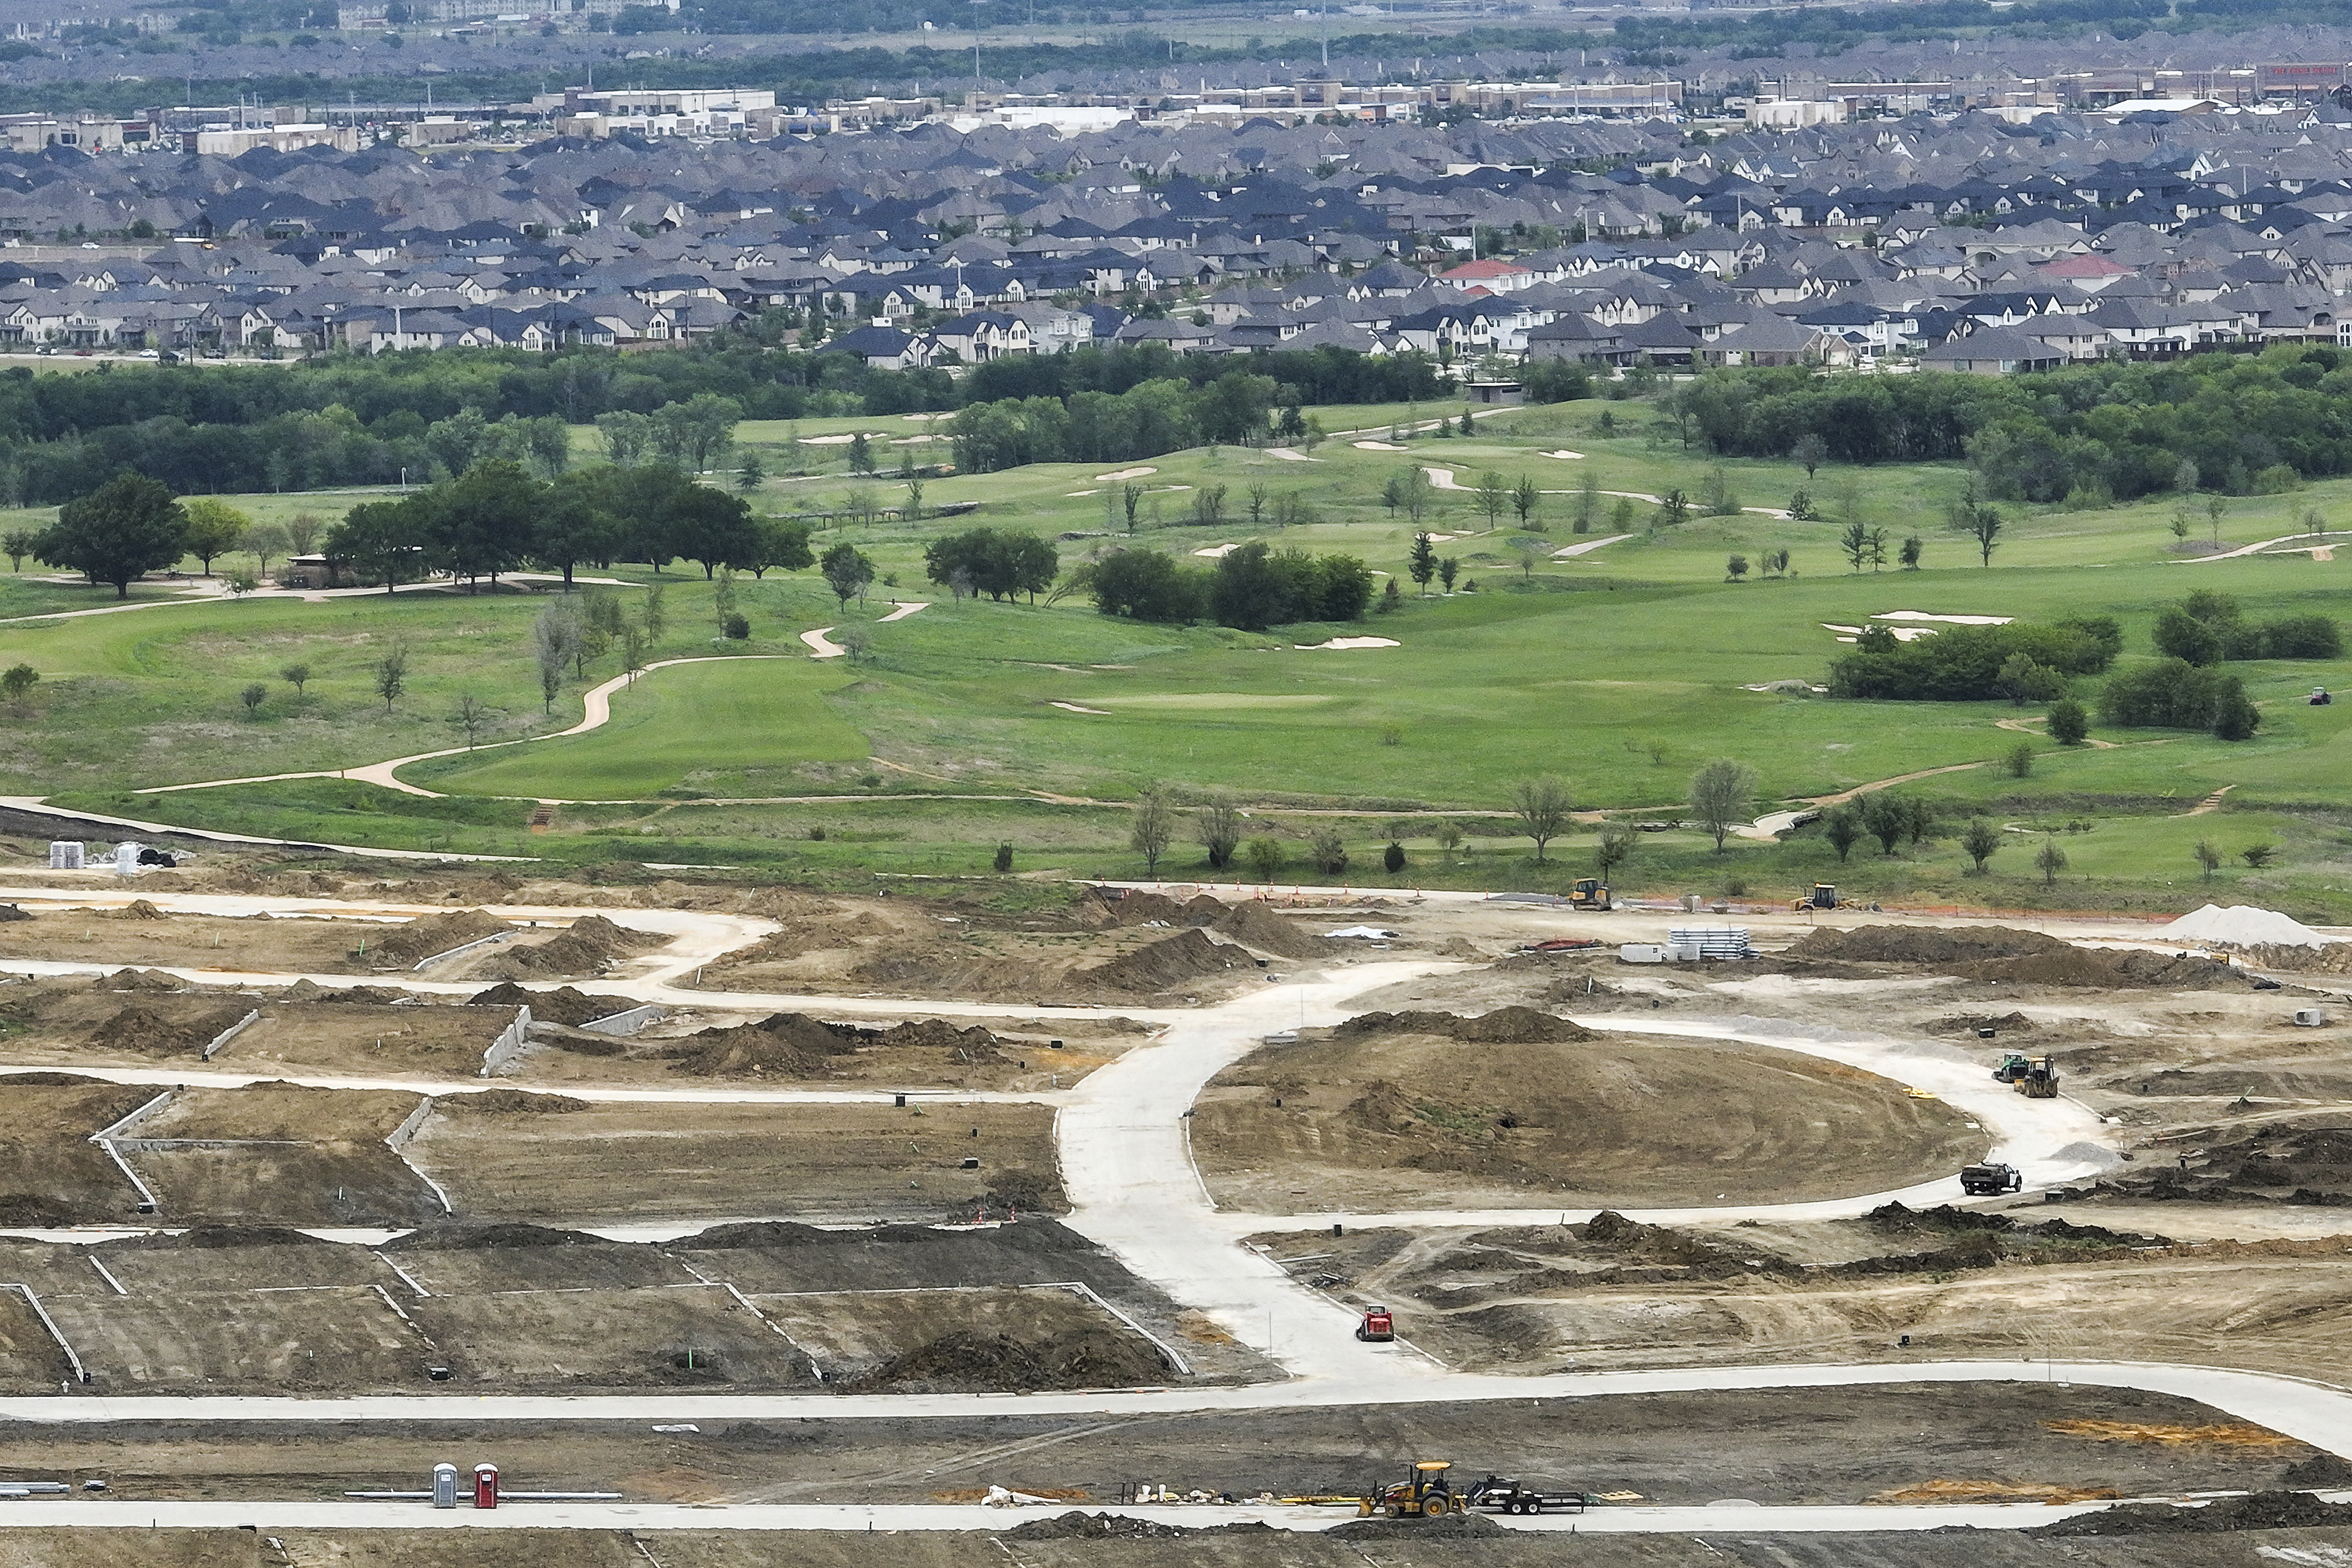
213	591
1776	822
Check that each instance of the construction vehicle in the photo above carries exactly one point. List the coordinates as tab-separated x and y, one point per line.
1991	1179
1378	1326
1423	1494
1823	896
1588	893
1509	1496
2038	1079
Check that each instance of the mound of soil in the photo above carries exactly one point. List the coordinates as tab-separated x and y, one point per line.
1104	909
1254	926
1922	944
1076	1526
961	1363
1504	1026
584	948
508	1103
422	938
33	1210
2330	1470
493	1238
139	909
1452	1527
1967	1027
565	1005
219	1238
143	1029
2256	1511
9	912
793	1045
136	980
46	1080
2113	971
1164	964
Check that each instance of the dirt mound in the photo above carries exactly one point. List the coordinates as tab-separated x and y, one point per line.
584	948
963	1362
2330	1470
508	1103
1452	1527
139	909
9	912
146	1031
494	1237
1967	1026
1104	908
1922	944
219	1238
435	933
374	995
47	1081
2336	958
2112	971
1504	1026
136	980
2256	1511
32	1209
1164	964
1254	926
792	1044
304	990
1076	1526
565	1005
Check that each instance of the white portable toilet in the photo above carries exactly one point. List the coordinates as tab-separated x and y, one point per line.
126	857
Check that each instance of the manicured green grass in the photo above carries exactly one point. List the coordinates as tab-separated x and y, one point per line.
689	723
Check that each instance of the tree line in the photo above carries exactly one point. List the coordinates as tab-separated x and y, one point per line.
2237	423
1250	587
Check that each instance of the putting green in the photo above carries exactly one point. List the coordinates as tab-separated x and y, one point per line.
689	718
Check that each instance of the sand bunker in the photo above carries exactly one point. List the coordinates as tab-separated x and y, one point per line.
1565	455
1902	633
1344	643
1124	474
1949	620
1216	552
1072	707
845	439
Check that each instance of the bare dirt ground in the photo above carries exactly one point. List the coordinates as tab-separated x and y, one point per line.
1782	1447
1058	1546
50	1173
564	1160
1408	1119
517	1309
279	1153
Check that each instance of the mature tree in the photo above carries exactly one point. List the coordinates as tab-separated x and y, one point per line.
214	529
1154	824
1416	494
1543	809
1675	510
16	544
482	523
1979	842
1809	450
627	436
1984	523
847	572
2235	717
1218	825
1720	795
298	675
127	527
262	541
392	675
2049	860
2209	859
751	474
1842	826
782	545
1266	855
1913	548
999	564
861	453
576	522
1422	565
1885	818
1855	542
302	532
2069	723
2181	635
713	528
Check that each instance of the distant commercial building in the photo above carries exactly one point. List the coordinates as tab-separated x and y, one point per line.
720	111
231	141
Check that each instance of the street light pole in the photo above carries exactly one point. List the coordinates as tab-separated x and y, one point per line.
976	5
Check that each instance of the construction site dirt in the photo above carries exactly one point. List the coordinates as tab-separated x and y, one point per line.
467	1309
1405	1118
1993	1442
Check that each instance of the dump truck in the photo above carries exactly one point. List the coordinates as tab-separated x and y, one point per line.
1991	1179
1507	1494
1378	1326
1425	1493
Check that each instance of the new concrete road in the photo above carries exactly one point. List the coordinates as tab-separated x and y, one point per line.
1133	1188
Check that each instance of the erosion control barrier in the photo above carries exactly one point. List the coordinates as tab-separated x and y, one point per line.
510	1041
81	1372
628	1022
231	1032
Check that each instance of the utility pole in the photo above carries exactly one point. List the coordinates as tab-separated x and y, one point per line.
1325	15
976	5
